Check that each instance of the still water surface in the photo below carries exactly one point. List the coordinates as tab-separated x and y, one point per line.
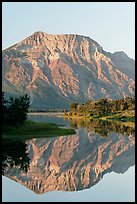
96	164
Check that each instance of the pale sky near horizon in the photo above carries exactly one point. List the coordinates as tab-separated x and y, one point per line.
111	24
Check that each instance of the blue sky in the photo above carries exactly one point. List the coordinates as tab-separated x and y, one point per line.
111	24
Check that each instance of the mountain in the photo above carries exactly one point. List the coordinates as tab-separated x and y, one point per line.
73	163
58	69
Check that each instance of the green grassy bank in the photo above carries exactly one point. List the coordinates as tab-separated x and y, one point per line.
32	129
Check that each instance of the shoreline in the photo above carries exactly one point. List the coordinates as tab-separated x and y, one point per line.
127	121
45	113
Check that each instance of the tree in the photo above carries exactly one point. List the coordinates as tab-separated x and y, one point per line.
4	109
15	113
73	107
102	106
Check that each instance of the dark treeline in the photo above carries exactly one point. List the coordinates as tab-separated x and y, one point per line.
102	107
14	111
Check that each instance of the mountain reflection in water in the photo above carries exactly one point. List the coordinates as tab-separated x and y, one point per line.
70	163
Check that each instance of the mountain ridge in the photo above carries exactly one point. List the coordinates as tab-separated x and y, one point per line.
65	67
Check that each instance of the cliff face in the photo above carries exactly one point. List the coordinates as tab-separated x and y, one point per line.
57	69
72	163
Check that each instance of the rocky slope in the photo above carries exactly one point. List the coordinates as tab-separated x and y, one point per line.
72	163
58	69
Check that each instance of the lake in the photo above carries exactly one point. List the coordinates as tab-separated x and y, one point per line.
97	164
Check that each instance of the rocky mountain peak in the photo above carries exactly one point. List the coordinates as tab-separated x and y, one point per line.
35	39
120	54
67	67
74	41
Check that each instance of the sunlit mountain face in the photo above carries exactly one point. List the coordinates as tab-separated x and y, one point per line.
58	69
70	163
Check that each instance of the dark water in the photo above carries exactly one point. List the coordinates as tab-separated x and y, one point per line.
96	164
